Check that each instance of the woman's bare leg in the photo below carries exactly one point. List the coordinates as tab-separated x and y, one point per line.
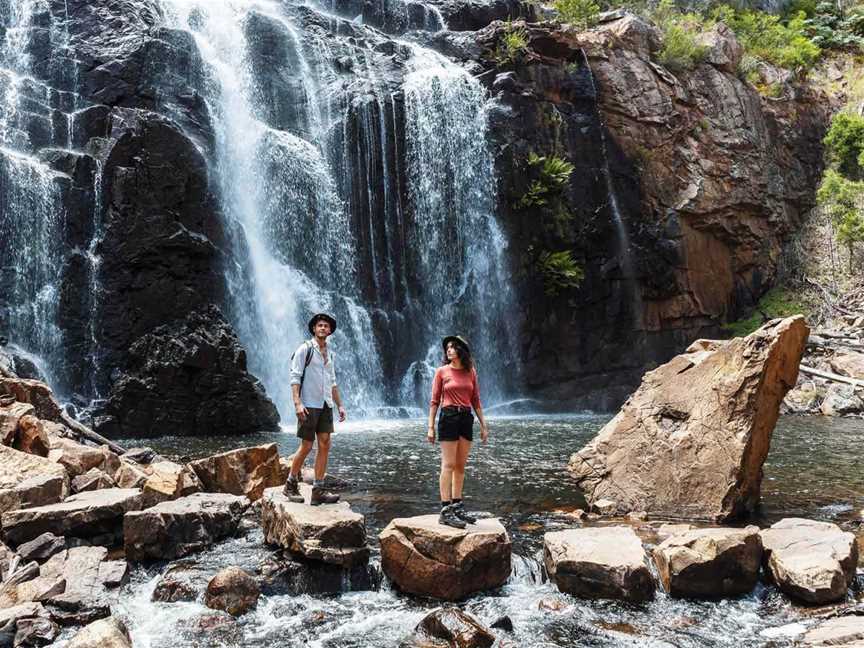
449	450
462	450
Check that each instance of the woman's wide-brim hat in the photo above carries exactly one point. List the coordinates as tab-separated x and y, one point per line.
458	339
322	316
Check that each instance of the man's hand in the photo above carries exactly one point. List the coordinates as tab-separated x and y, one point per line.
342	414
302	412
484	433
430	435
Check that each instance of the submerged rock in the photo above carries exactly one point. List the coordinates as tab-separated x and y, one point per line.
245	471
280	575
83	515
330	533
599	562
692	439
179	527
841	632
451	627
232	590
423	557
710	563
811	561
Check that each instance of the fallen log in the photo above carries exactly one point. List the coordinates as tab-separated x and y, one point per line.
827	375
86	433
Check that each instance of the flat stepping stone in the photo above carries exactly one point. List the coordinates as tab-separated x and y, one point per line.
330	533
83	515
599	563
811	561
710	563
179	527
423	557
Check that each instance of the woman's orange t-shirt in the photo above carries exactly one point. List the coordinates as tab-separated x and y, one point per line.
455	387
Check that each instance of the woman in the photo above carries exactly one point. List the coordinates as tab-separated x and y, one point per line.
455	389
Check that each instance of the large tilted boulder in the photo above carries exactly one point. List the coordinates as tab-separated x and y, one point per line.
426	558
599	562
811	561
330	533
87	514
179	527
245	471
692	439
28	480
169	480
451	627
104	633
710	563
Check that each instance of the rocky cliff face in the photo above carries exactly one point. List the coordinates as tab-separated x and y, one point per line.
683	192
707	178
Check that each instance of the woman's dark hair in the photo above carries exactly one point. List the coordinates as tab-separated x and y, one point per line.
463	353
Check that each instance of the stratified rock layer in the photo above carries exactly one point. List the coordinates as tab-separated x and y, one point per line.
600	562
423	557
692	439
245	471
710	563
330	533
183	526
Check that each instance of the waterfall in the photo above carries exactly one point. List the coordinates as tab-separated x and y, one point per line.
32	216
322	218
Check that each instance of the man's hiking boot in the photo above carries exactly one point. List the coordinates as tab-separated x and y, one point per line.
320	496
292	490
449	518
462	514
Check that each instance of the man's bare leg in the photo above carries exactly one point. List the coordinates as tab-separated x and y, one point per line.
303	451
322	455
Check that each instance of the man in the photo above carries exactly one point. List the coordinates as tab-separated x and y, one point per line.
313	385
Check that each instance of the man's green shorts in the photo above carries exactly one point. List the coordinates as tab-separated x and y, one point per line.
319	421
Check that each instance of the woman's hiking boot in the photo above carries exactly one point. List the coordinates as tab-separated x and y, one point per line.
462	514
449	518
292	490
321	496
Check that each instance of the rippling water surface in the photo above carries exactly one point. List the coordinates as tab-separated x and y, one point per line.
813	470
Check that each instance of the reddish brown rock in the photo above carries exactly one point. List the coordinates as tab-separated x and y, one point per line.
423	557
246	471
32	437
169	480
10	416
330	533
452	627
179	527
35	392
811	561
75	457
848	364
692	439
93	479
233	591
599	563
29	480
710	563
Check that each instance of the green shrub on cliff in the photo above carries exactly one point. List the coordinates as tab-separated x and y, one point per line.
775	303
513	44
843	200
844	145
767	37
579	13
559	271
681	50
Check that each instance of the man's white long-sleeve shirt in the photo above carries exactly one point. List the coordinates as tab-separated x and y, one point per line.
320	378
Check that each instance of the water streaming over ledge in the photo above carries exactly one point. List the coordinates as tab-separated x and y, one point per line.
31	210
333	209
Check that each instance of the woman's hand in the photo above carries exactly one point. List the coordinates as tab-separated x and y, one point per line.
430	434
484	432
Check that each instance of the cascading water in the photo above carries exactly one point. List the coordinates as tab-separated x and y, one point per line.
318	213
31	208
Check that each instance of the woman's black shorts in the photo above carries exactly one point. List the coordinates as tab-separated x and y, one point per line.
454	423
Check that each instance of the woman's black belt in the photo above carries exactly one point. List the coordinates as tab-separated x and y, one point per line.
455	408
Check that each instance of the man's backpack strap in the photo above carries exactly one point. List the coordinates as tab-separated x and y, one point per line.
309	352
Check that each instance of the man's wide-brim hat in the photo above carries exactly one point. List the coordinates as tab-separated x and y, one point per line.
317	317
457	339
